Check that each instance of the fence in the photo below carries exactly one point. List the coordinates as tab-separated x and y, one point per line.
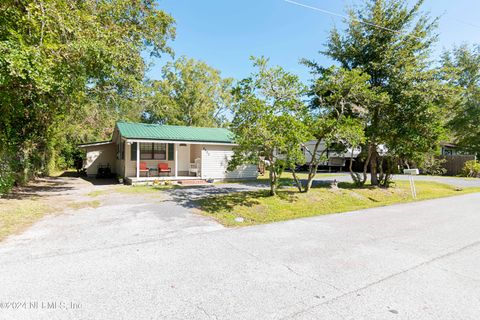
454	164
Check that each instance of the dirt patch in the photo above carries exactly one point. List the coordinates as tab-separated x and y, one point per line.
43	196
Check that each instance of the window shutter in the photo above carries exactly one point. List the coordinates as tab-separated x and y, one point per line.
171	150
133	154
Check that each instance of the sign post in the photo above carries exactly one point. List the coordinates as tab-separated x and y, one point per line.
411	173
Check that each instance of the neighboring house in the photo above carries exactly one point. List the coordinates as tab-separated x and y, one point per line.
332	158
454	158
450	149
137	150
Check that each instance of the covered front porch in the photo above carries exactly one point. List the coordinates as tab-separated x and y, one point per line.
158	160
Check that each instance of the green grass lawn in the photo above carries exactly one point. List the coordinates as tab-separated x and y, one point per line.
97	193
258	207
16	215
288	177
142	189
84	204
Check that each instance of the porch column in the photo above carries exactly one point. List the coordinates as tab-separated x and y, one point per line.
138	159
176	160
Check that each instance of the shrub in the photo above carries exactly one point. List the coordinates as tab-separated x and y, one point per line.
471	169
434	166
7	177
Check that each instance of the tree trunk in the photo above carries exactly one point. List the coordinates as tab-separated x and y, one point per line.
381	175
273	181
355	175
311	176
313	166
297	181
373	165
273	190
350	167
365	165
388	173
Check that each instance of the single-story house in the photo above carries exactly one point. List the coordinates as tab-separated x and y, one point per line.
451	149
142	152
333	158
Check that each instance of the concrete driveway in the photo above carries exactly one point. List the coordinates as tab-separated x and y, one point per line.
151	257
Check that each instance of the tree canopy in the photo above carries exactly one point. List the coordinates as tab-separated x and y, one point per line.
190	93
339	104
390	41
70	69
268	120
70	62
462	71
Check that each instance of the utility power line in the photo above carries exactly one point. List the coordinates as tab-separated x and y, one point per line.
466	23
369	23
347	17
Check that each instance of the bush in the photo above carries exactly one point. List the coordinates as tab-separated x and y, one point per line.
7	177
433	166
472	169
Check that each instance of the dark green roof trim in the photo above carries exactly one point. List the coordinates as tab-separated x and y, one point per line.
145	131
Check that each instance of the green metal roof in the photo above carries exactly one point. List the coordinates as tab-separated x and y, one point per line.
147	131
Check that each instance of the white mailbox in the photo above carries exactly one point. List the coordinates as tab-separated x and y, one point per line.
412	172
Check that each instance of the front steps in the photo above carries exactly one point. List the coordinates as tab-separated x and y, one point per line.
192	182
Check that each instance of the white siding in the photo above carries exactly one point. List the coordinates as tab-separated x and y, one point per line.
215	162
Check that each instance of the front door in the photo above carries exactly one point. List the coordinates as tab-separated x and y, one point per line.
183	157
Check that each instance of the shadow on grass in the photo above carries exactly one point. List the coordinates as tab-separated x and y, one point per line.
327	184
230	201
223	201
219	197
191	196
351	185
227	202
38	188
225	197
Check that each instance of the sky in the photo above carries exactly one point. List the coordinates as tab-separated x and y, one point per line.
225	33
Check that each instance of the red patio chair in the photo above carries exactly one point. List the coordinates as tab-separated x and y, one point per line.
163	167
143	168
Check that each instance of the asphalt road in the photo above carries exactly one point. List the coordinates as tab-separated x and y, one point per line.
153	258
454	181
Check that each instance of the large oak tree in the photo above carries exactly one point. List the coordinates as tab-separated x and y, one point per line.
66	63
190	93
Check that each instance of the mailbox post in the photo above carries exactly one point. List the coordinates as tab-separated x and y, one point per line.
411	173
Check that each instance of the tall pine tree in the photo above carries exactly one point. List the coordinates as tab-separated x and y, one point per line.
391	42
